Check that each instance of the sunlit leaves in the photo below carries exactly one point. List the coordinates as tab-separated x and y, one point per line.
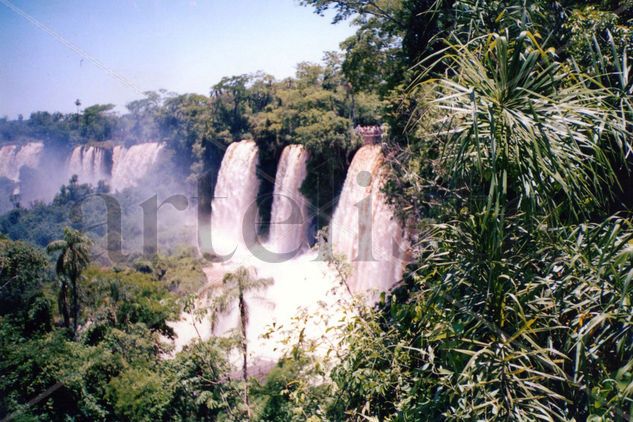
528	131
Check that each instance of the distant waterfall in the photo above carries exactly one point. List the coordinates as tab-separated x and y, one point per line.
234	207
364	228
130	165
89	164
7	162
14	157
290	214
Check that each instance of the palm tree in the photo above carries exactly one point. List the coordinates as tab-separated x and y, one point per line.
74	251
236	285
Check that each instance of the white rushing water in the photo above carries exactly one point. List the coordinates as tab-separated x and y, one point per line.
364	228
89	164
302	286
14	157
302	283
290	218
234	204
130	165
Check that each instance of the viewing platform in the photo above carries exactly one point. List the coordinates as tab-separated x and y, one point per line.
370	134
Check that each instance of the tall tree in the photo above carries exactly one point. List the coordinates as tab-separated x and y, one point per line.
98	122
230	105
73	258
236	285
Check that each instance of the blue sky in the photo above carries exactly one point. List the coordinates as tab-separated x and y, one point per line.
179	45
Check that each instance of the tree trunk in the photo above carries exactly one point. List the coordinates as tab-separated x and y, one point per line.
75	307
243	323
353	116
62	303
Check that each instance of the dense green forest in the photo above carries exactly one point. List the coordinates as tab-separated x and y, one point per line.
317	108
507	135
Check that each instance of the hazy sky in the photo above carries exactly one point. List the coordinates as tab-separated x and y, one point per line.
179	45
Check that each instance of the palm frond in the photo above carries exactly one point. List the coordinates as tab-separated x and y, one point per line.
518	122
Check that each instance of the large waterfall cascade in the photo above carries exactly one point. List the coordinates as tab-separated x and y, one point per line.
304	282
234	205
14	157
129	165
364	228
290	217
89	164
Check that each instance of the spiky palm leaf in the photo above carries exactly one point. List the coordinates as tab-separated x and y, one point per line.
74	254
616	76
520	125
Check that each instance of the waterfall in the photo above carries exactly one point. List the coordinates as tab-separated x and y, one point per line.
13	158
364	228
89	164
303	282
234	205
130	165
290	221
7	162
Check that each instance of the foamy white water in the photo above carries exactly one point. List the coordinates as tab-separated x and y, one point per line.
303	284
7	162
89	164
364	228
299	283
234	206
14	157
290	218
130	165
